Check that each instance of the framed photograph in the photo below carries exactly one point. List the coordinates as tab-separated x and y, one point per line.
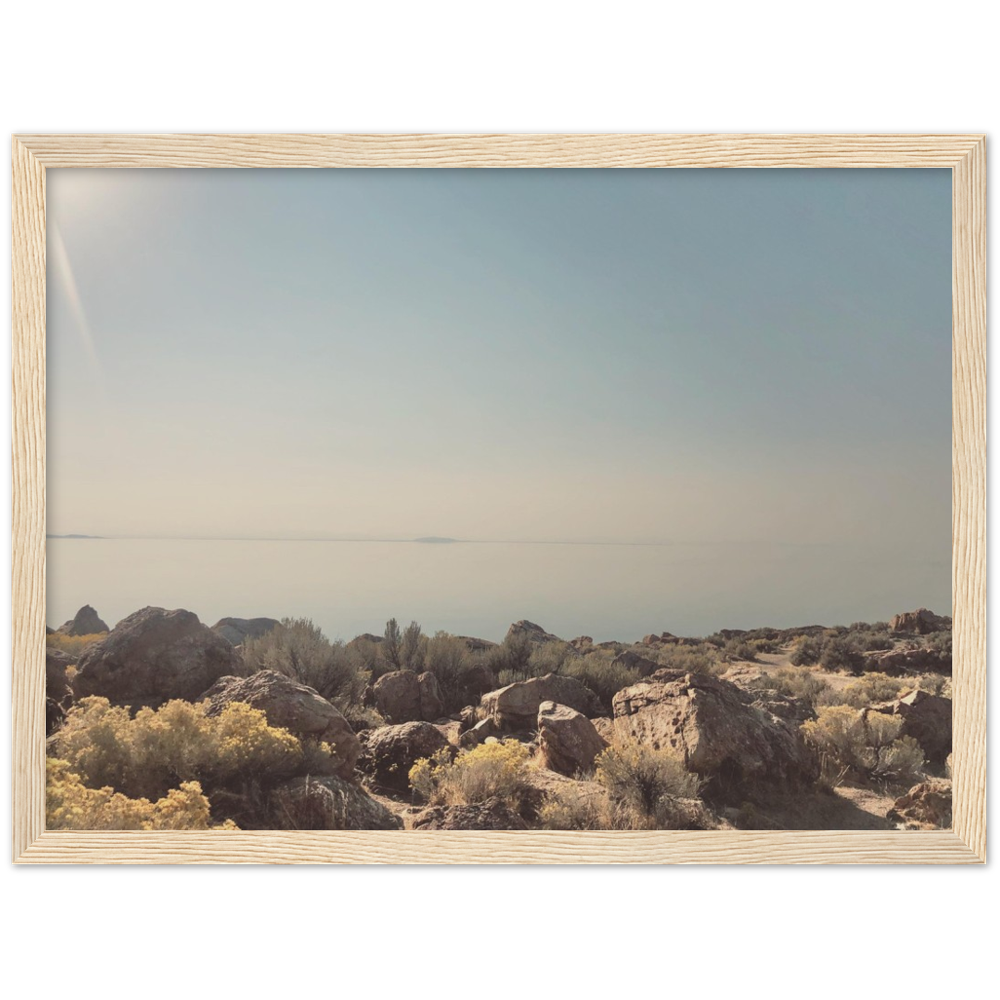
518	499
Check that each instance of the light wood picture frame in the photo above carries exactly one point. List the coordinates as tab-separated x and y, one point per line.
964	154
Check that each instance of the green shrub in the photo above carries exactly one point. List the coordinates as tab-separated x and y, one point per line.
298	649
550	658
413	648
701	659
644	785
865	745
461	674
940	642
602	676
71	805
158	750
839	655
937	684
513	654
489	770
739	649
869	690
794	682
391	647
807	651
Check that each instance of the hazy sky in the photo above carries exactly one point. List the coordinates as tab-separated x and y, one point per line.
632	355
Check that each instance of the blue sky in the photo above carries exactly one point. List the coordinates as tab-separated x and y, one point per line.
613	355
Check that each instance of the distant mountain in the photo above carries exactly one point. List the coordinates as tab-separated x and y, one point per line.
433	540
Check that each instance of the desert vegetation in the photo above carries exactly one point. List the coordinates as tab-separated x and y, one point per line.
165	723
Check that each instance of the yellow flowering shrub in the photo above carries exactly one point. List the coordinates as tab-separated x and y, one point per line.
70	805
495	769
156	751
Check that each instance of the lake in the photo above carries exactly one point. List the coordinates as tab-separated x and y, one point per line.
478	588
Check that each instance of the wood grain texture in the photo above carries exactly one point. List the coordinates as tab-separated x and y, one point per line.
28	490
969	496
502	847
499	150
964	153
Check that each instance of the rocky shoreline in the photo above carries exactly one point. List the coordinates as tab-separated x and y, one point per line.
164	722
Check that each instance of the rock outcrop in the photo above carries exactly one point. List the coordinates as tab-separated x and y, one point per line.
152	656
926	806
327	803
636	661
927	718
404	696
389	753
236	630
567	740
919	622
532	632
292	706
85	622
738	748
515	707
905	660
479	733
493	814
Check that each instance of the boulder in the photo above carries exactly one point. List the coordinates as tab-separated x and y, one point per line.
605	727
153	656
567	740
235	630
515	707
404	696
493	814
327	803
927	718
292	706
539	784
636	661
85	622
366	637
431	703
479	733
919	622
532	632
58	693
389	753
926	806
739	749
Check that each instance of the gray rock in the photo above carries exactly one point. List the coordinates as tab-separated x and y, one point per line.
739	748
327	803
236	630
292	706
515	707
389	753
153	656
85	622
567	741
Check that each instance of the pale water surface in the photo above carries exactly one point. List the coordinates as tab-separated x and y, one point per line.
479	588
